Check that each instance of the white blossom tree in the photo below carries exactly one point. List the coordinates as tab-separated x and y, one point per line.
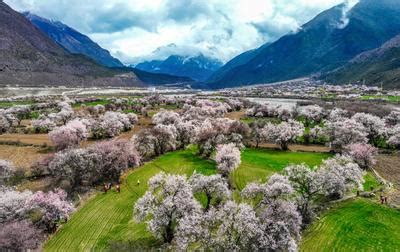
168	200
227	158
284	133
373	125
12	204
339	175
344	132
214	187
6	170
307	184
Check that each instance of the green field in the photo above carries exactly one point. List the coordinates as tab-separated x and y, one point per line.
108	217
355	225
258	164
7	104
389	98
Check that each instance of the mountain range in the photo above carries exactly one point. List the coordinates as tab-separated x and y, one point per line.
340	45
73	41
29	57
325	43
197	67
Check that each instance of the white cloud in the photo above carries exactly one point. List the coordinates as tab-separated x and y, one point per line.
133	29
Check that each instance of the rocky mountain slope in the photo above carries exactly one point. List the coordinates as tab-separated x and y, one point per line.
380	66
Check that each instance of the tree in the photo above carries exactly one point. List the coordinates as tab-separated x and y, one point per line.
345	132
115	158
133	118
338	175
279	220
338	114
168	200
75	168
19	235
166	117
227	158
284	133
6	170
43	125
363	154
312	114
307	185
53	207
393	118
214	187
231	227
12	204
394	136
186	132
69	135
111	124
164	138
373	125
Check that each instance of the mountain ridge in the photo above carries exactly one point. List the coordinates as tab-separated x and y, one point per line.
197	67
72	40
324	43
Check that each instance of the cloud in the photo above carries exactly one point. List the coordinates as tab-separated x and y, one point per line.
133	30
347	6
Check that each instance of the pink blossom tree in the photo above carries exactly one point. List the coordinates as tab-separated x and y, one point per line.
43	125
363	154
69	135
186	132
114	157
19	236
53	207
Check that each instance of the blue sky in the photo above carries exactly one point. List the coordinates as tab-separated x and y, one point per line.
136	30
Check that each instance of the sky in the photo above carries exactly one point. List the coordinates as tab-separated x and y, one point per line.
138	30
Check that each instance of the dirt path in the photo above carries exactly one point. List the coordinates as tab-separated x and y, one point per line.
21	156
31	139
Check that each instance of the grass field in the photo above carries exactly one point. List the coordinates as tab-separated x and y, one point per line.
258	164
355	225
389	98
108	217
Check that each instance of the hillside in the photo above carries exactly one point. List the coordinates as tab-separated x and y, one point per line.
73	41
28	57
374	67
198	67
325	43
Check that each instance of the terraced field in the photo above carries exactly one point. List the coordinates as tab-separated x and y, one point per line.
108	217
355	225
